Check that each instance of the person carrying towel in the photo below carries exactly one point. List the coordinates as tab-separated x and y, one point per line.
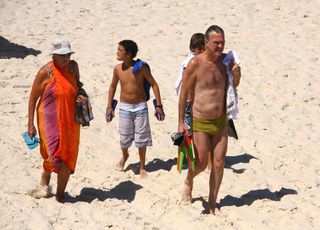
135	80
206	76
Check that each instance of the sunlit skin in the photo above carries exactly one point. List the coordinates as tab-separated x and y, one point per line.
205	76
132	92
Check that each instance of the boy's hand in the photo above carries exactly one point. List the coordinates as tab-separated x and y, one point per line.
109	114
159	113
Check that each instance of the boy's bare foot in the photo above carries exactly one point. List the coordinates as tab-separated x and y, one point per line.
121	163
214	209
186	192
143	174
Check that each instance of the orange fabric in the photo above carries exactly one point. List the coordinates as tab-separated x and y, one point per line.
59	132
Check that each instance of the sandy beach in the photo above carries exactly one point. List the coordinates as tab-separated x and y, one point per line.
272	175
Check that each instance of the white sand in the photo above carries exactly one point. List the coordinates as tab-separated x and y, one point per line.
279	186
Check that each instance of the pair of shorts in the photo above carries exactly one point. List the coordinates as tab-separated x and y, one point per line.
211	127
134	125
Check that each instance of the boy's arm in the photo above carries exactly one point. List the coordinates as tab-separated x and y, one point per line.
155	88
111	93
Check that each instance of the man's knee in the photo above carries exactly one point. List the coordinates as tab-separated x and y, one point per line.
219	162
202	165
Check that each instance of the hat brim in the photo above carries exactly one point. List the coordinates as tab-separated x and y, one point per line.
63	51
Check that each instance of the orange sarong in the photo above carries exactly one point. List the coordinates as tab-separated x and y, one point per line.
59	132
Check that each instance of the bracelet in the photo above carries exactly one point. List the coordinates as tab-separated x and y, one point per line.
159	106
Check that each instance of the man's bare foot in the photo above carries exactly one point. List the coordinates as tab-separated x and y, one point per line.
186	192
121	163
143	174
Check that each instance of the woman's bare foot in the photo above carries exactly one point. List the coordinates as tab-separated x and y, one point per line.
60	197
186	192
40	192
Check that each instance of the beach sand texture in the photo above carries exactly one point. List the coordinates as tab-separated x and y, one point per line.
272	174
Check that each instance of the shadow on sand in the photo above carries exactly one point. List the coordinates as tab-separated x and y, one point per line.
248	198
124	191
11	50
158	164
152	166
232	160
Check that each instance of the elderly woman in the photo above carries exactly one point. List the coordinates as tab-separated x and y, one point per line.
54	92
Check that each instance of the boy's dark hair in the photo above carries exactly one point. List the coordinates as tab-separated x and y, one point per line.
130	47
197	41
213	28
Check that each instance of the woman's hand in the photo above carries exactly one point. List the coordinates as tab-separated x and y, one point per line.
32	131
80	99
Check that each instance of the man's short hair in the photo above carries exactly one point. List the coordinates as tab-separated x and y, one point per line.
130	47
213	28
197	41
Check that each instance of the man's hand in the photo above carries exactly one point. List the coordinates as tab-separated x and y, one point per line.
236	71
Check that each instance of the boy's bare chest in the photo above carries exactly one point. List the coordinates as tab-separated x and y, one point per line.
127	77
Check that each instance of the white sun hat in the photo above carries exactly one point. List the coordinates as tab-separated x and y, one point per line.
61	46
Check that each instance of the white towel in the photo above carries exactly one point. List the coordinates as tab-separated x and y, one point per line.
183	66
232	96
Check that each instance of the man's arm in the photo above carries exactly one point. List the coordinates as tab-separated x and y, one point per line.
188	80
236	70
111	93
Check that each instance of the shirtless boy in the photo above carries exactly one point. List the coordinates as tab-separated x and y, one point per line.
133	115
206	77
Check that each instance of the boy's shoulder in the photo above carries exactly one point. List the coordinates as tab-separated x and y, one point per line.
118	66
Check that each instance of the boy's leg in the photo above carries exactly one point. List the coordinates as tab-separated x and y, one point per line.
142	135
125	156
142	155
126	129
62	177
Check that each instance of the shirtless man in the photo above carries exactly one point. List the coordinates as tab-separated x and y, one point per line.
206	77
133	118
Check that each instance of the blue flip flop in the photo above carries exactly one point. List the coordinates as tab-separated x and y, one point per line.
31	142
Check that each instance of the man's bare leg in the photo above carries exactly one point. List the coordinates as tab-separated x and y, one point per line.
63	177
209	160
142	155
201	149
220	143
125	156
